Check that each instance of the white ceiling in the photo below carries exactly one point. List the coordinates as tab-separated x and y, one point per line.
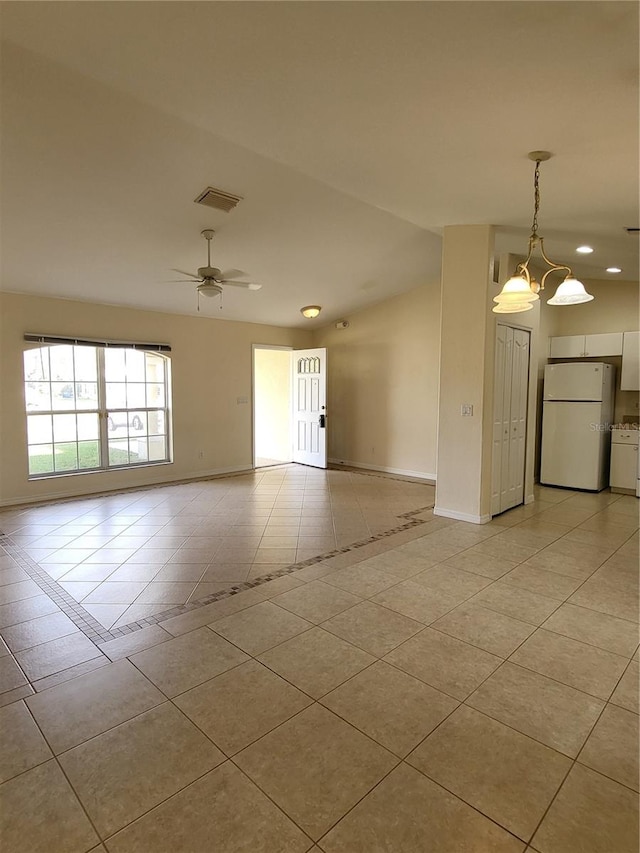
354	132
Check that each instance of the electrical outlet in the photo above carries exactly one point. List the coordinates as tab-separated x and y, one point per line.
466	410
201	454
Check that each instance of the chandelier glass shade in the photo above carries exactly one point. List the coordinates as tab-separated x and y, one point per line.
513	307
521	290
514	292
570	292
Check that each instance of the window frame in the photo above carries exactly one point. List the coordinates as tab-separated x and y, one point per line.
102	412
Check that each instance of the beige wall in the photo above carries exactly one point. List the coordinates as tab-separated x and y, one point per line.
614	309
211	369
272	403
466	374
383	384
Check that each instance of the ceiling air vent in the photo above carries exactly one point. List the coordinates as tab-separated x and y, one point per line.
218	199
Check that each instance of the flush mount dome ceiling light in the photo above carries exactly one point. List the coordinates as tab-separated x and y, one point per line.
521	290
310	311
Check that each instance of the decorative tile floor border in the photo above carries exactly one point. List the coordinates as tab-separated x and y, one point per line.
96	632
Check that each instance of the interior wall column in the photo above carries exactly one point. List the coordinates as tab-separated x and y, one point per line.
463	477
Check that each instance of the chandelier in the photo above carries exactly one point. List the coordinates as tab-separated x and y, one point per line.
521	290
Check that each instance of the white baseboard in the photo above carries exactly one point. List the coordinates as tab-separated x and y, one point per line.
95	493
461	516
529	499
402	472
217	472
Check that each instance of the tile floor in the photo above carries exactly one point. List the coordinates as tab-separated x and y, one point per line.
131	556
438	687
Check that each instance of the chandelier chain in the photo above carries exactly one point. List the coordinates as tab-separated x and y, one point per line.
536	198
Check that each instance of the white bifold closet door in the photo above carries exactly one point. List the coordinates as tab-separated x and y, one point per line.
511	390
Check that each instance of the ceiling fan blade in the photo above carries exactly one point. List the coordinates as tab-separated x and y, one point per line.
248	285
184	280
232	274
190	274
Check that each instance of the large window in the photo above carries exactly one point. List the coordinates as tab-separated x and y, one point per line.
93	407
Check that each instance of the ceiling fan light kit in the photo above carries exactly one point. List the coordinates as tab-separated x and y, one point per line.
521	290
209	288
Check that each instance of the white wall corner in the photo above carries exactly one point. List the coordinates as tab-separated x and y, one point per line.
461	516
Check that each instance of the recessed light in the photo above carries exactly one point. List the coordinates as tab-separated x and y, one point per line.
584	250
614	269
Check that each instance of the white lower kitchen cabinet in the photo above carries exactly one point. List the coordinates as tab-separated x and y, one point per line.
623	472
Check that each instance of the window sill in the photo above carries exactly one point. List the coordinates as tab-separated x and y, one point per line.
58	474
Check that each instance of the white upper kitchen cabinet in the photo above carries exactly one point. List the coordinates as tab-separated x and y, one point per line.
607	344
567	346
630	374
586	346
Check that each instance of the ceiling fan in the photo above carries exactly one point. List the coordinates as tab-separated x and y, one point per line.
211	279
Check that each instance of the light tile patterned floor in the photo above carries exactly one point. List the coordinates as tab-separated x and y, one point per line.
445	687
131	556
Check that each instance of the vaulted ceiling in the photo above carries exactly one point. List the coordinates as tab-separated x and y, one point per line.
354	131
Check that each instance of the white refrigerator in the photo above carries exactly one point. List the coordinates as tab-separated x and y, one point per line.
576	425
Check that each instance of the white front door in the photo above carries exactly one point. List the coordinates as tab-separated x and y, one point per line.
309	383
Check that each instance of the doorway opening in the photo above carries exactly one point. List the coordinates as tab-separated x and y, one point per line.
271	406
289	406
